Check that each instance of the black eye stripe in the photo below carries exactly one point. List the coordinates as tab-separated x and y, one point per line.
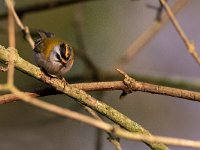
58	56
63	51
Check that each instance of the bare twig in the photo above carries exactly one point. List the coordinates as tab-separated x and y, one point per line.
147	35
125	85
11	25
7	98
115	142
11	31
189	43
20	24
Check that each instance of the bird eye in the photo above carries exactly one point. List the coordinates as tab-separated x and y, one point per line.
58	56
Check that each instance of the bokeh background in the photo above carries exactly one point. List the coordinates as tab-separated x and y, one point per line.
108	28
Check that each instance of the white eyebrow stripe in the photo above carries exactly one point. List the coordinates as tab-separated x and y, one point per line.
57	50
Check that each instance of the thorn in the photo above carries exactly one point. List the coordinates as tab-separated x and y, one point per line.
122	72
122	95
128	81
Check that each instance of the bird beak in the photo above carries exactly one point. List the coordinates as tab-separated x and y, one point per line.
63	62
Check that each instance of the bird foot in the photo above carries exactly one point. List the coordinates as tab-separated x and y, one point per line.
64	82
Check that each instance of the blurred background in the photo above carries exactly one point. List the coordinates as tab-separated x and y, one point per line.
108	28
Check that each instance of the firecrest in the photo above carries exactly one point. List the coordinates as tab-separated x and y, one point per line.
54	56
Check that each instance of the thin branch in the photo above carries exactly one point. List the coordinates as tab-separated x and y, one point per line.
80	96
8	98
11	28
193	144
126	86
189	43
133	85
25	29
92	112
115	142
147	35
44	6
11	25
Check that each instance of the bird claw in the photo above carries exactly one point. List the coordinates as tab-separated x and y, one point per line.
64	82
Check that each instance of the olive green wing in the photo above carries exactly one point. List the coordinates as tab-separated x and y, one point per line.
42	35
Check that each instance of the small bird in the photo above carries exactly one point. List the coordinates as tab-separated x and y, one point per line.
54	56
